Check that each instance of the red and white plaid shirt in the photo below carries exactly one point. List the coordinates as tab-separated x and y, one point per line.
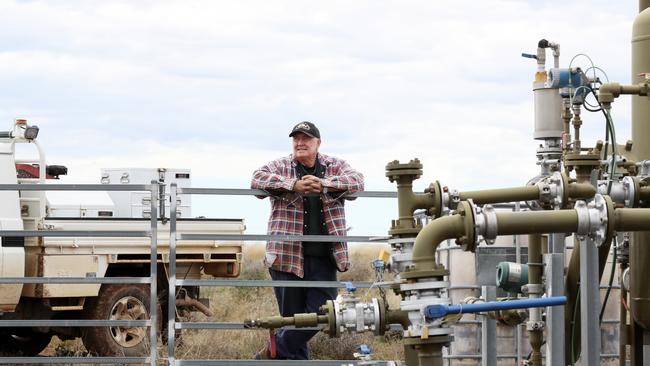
278	178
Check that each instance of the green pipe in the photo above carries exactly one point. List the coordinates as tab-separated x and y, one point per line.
428	239
581	191
398	317
534	259
409	201
643	5
528	193
536	222
632	219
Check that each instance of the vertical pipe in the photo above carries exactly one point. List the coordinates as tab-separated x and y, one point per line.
153	272
643	5
640	243
518	340
171	301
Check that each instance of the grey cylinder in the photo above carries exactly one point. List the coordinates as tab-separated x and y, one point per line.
548	112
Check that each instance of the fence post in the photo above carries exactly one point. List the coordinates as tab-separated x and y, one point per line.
153	287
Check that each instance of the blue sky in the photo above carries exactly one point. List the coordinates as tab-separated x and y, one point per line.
215	86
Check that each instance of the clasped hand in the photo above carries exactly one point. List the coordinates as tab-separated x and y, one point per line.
308	184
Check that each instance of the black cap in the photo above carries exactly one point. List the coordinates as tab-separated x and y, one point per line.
307	128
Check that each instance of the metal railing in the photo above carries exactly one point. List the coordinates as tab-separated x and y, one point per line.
173	325
152	233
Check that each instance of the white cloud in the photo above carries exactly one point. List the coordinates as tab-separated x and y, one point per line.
215	85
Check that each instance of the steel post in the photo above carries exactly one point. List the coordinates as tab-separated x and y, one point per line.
153	273
589	303
171	301
555	315
488	330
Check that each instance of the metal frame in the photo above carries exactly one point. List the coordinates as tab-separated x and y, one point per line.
153	189
153	303
173	282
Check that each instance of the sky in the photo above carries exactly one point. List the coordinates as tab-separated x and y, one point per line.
216	86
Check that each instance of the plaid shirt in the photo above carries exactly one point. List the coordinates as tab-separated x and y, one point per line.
278	178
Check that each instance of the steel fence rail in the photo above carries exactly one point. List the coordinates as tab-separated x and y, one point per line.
75	360
277	362
73	233
74	323
74	280
262	237
271	283
261	193
77	187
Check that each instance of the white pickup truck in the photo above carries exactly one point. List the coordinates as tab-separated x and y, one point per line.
96	256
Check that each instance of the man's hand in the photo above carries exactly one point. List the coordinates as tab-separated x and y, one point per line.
308	184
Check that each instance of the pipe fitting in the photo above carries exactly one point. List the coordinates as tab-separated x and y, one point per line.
593	219
485	223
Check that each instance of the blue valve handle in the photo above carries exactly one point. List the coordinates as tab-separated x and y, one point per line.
528	55
349	287
438	311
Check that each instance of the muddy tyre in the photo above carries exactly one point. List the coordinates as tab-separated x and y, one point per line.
118	302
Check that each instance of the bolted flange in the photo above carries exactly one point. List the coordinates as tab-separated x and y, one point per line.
395	169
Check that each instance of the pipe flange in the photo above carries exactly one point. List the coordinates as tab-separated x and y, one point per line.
491	229
644	168
486	223
583	219
438	208
630	190
599	222
552	190
454	199
425	285
534	325
468	241
395	170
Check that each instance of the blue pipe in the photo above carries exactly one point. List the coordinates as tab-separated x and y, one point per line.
438	311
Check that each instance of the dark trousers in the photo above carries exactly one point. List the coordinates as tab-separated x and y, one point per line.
292	343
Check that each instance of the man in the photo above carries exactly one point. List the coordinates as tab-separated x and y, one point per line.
307	191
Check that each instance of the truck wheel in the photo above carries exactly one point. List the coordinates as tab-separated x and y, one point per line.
118	302
24	341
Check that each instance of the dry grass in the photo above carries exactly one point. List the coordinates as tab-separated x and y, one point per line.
232	304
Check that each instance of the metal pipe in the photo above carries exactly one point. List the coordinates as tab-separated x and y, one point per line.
581	191
428	239
398	317
632	219
439	310
528	193
537	222
189	302
643	5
